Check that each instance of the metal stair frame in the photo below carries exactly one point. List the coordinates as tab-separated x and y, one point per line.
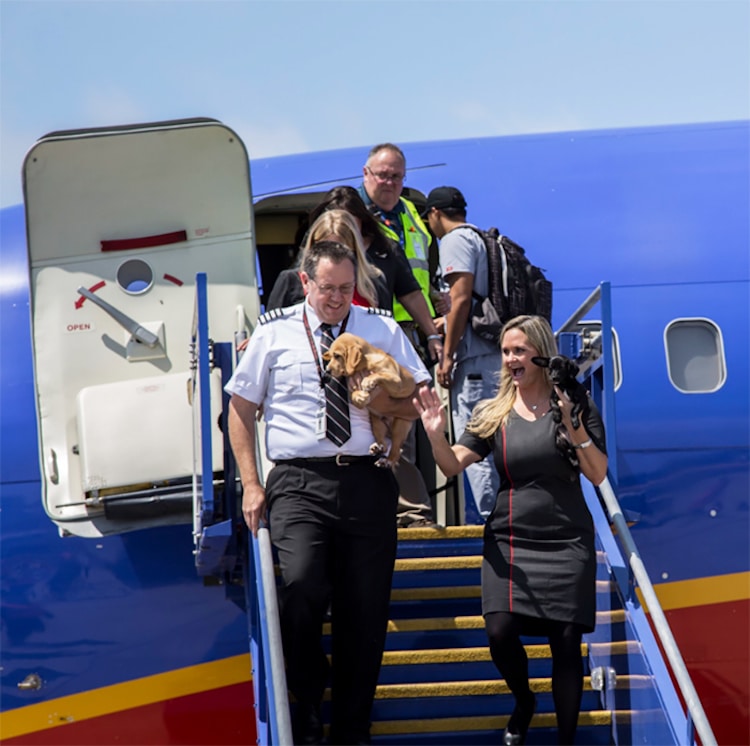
603	506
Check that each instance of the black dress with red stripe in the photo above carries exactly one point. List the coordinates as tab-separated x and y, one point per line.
539	555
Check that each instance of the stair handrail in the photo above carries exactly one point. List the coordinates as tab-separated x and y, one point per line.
658	618
270	634
264	622
684	683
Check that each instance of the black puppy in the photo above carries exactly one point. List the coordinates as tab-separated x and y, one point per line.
562	373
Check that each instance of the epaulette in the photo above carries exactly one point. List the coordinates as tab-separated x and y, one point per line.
273	314
380	311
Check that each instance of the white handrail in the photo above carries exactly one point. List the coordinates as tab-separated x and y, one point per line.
684	682
273	649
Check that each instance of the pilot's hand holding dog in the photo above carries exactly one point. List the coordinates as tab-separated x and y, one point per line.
371	372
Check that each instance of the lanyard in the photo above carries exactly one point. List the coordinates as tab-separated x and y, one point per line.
322	375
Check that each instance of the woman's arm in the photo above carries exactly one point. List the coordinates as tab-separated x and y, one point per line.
452	460
593	462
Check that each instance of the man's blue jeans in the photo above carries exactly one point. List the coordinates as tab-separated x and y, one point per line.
475	379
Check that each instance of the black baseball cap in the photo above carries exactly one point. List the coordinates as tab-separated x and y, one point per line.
443	198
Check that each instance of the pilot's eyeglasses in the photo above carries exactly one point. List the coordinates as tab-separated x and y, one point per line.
345	290
383	176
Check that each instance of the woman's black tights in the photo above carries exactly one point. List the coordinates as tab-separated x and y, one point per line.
509	656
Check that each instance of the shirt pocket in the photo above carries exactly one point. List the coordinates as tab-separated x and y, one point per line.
288	374
287	378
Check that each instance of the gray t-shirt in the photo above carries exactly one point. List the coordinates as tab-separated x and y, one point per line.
462	250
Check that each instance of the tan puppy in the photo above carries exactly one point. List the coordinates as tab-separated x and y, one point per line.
349	355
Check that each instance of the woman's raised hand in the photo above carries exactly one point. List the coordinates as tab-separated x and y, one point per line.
430	409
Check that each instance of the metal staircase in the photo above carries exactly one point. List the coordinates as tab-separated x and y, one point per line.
438	684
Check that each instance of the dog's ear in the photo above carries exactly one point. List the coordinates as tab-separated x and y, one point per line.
573	367
542	362
353	358
327	355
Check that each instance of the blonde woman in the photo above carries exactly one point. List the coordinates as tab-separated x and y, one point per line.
539	561
333	225
397	281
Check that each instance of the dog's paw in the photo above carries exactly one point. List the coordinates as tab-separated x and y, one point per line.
376	449
368	384
360	398
383	463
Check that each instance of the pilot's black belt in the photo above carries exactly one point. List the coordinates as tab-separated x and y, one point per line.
339	459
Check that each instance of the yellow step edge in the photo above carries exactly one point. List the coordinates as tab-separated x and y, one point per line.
447	532
415	564
459	655
620	647
490	687
458	562
481	654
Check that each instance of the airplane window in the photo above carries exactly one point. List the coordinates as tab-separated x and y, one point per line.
135	276
695	356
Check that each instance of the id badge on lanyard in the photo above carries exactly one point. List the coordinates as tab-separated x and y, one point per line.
320	419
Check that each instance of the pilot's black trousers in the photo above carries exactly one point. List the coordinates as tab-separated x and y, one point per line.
335	531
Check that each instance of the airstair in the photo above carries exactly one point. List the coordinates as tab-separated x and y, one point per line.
437	683
439	686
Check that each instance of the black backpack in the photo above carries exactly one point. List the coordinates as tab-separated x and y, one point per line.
516	286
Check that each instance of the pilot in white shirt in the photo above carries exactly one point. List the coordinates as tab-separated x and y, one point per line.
331	510
279	372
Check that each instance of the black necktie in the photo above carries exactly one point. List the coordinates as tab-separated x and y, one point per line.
338	426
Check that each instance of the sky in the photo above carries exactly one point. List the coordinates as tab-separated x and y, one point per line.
294	76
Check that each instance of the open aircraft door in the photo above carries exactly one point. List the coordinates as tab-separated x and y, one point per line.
119	223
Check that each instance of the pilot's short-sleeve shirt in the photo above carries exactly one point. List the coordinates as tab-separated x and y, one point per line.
277	370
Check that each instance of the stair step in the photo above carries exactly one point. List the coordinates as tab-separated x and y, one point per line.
482	653
489	722
438	684
491	687
612	616
439	593
440	534
462	562
457	655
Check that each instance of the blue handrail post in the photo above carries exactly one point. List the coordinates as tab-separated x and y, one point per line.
200	327
608	385
257	662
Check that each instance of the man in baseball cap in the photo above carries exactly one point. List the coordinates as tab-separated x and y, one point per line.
470	363
444	198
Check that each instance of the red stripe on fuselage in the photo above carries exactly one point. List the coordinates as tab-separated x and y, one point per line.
713	641
222	717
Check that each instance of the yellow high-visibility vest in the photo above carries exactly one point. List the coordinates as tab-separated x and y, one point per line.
416	248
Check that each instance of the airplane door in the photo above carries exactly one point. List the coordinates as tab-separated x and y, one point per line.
119	222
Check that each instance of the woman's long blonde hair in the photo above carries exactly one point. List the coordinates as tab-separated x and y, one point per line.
341	225
491	414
